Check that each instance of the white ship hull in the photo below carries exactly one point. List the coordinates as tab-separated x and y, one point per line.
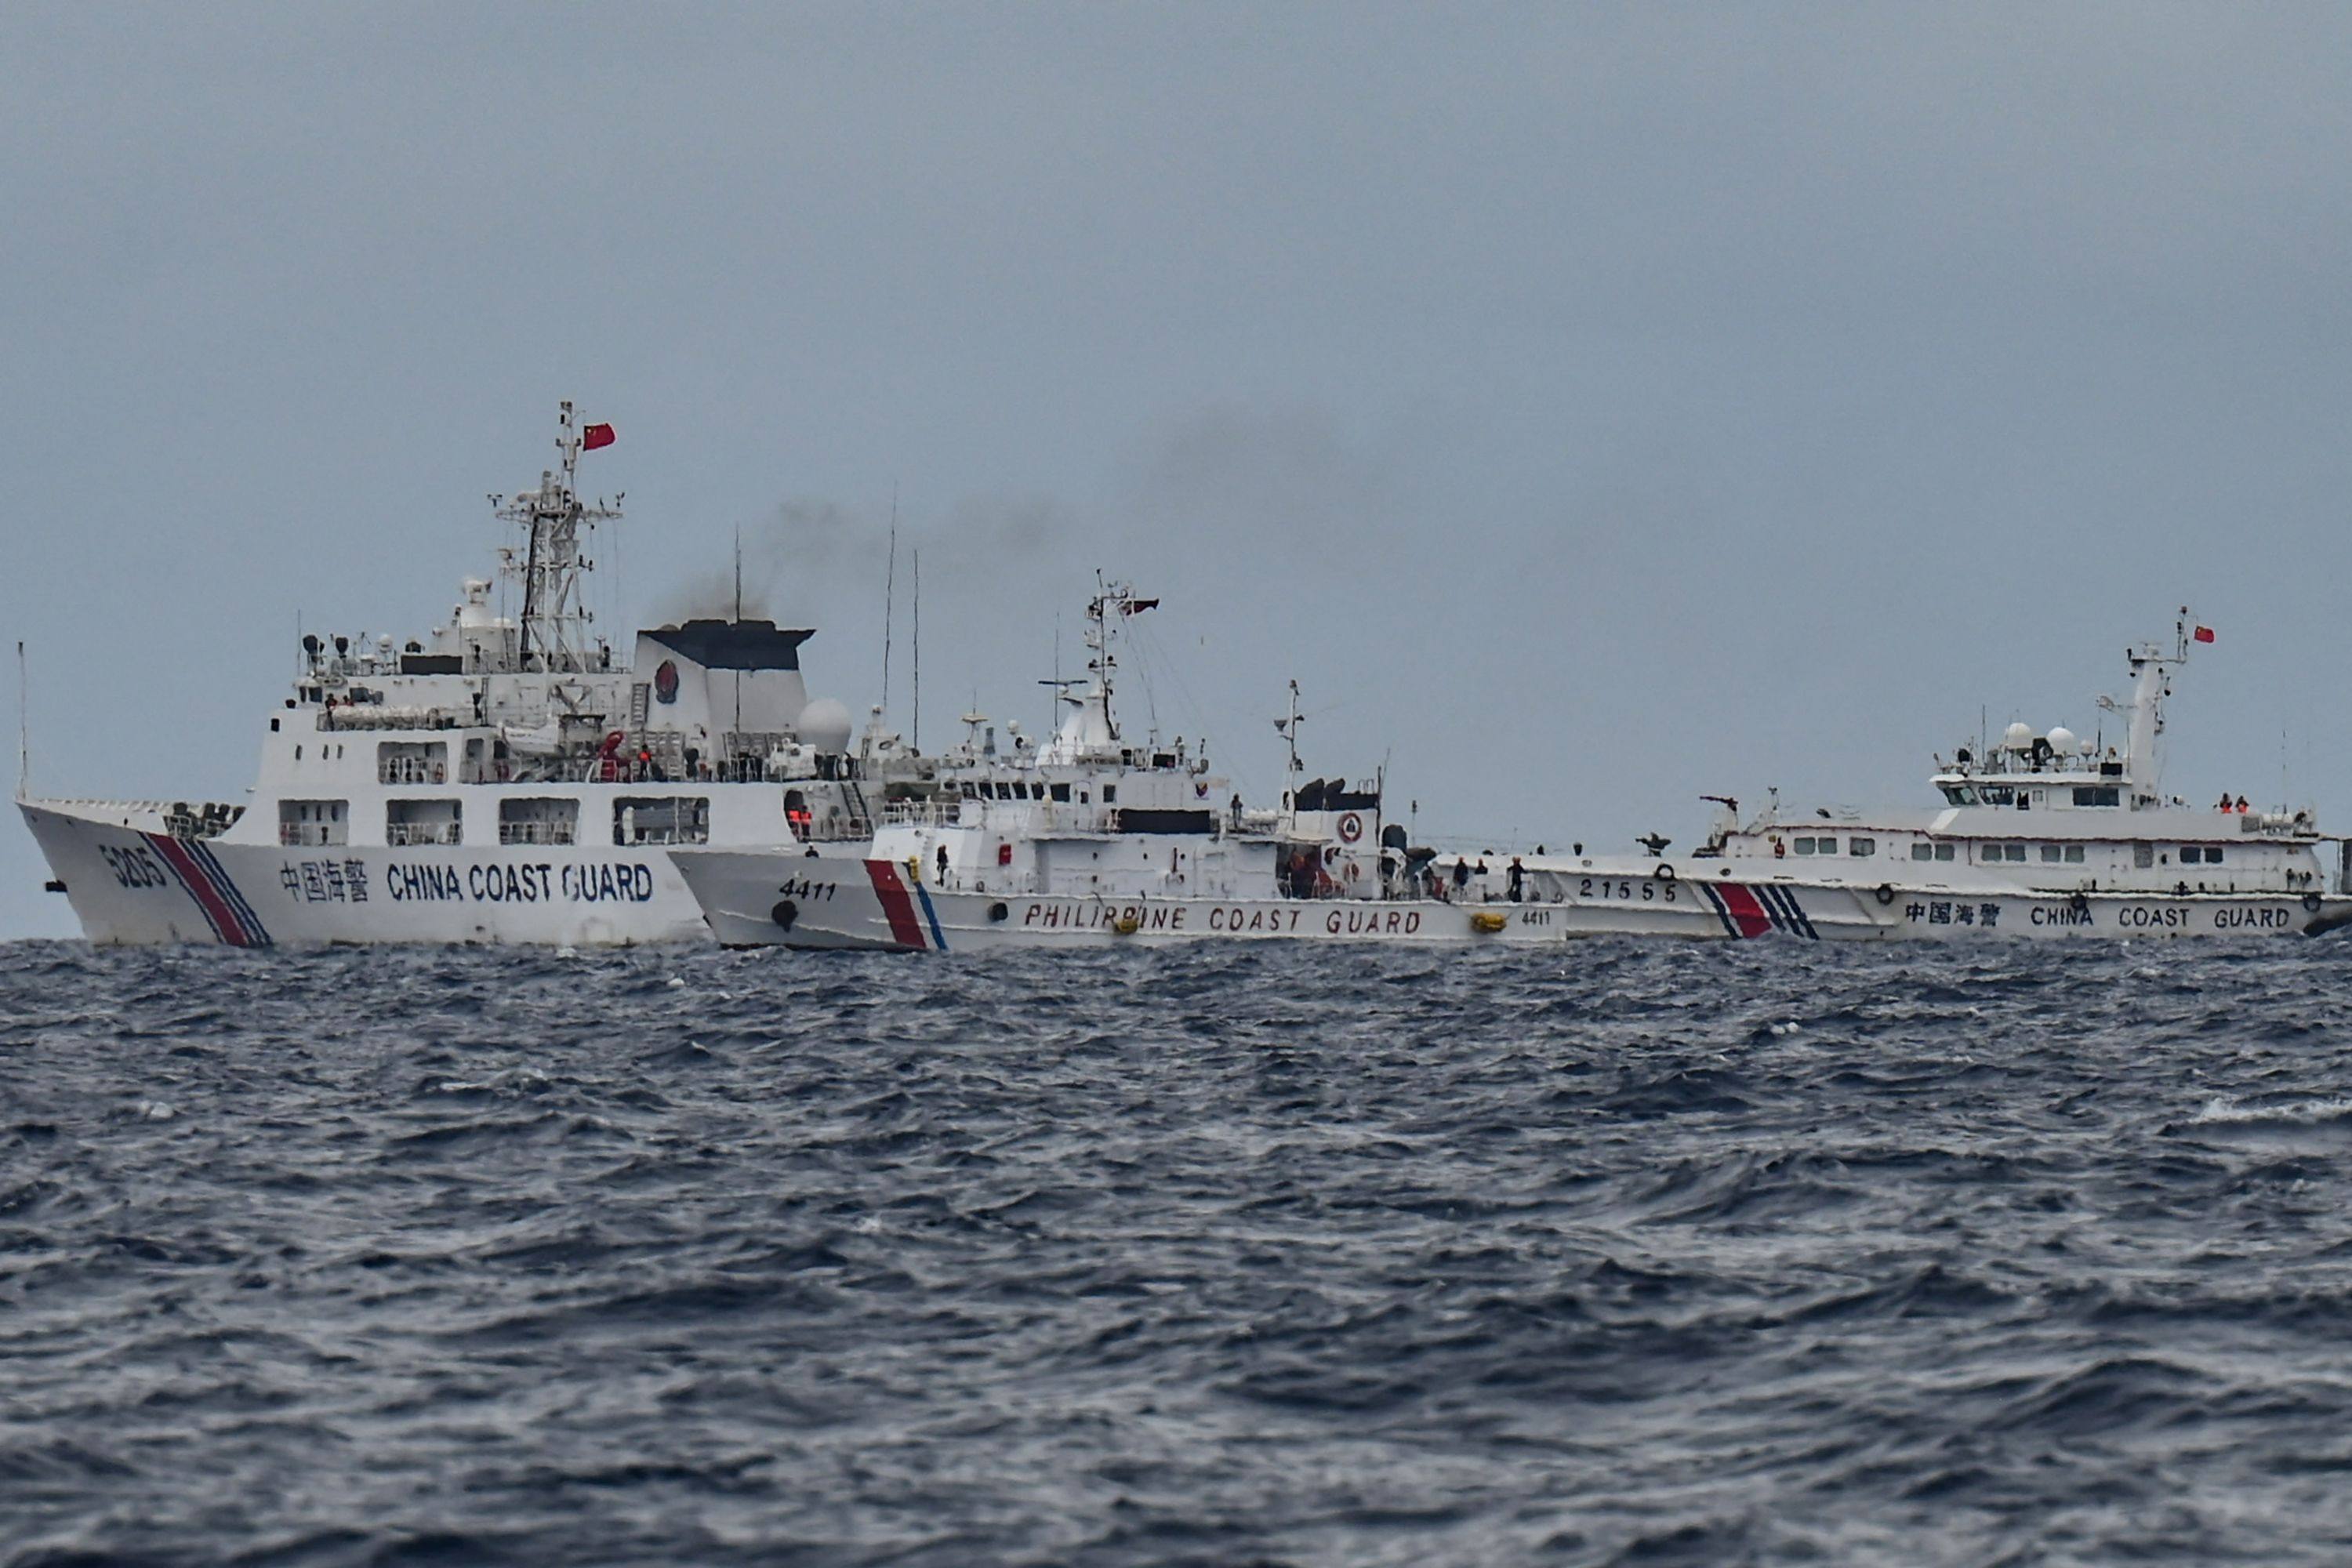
131	882
750	900
754	899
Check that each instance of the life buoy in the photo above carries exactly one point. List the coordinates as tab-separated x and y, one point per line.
1128	924
1664	874
1352	827
1886	894
2311	903
1353	871
1488	922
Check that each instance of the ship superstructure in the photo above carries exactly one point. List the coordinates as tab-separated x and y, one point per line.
507	777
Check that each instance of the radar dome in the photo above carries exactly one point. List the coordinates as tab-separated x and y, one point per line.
2018	737
2061	739
825	725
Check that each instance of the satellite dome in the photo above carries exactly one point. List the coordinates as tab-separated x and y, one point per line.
2061	739
2018	737
825	724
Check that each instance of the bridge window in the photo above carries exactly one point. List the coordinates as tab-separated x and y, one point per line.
539	821
2097	794
411	762
424	822
313	821
661	819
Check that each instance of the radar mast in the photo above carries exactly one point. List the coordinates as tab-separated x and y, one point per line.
555	614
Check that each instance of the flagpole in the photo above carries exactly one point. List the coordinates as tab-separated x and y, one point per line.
23	728
889	594
919	652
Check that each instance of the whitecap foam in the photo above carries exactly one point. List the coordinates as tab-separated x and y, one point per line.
2224	1111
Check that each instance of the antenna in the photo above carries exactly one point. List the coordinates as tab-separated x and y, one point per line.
890	592
737	740
24	731
918	651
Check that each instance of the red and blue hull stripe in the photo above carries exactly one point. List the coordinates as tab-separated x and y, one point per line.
1747	911
906	905
207	881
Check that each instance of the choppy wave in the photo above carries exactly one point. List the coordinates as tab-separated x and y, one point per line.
1632	1254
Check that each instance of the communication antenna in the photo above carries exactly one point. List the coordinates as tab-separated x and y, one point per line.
890	592
919	652
24	731
739	621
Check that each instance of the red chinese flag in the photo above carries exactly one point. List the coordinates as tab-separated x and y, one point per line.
2204	634
595	435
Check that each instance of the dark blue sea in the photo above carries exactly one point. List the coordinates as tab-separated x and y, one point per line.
1626	1253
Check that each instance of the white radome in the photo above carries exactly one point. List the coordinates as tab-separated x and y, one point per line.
2018	737
2062	741
825	725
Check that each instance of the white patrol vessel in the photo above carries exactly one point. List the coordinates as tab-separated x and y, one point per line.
2038	835
1098	838
504	779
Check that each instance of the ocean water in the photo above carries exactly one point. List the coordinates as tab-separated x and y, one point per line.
1626	1253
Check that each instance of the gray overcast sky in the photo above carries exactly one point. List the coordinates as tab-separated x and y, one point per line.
1591	405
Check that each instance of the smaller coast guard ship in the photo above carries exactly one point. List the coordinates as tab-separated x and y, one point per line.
500	780
2047	836
1098	838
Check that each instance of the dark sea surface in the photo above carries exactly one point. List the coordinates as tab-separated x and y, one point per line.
1625	1254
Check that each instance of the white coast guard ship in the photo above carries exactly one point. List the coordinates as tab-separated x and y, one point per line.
1100	837
2051	835
501	780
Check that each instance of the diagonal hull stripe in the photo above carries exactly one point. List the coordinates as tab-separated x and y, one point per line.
938	937
215	909
231	891
904	929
